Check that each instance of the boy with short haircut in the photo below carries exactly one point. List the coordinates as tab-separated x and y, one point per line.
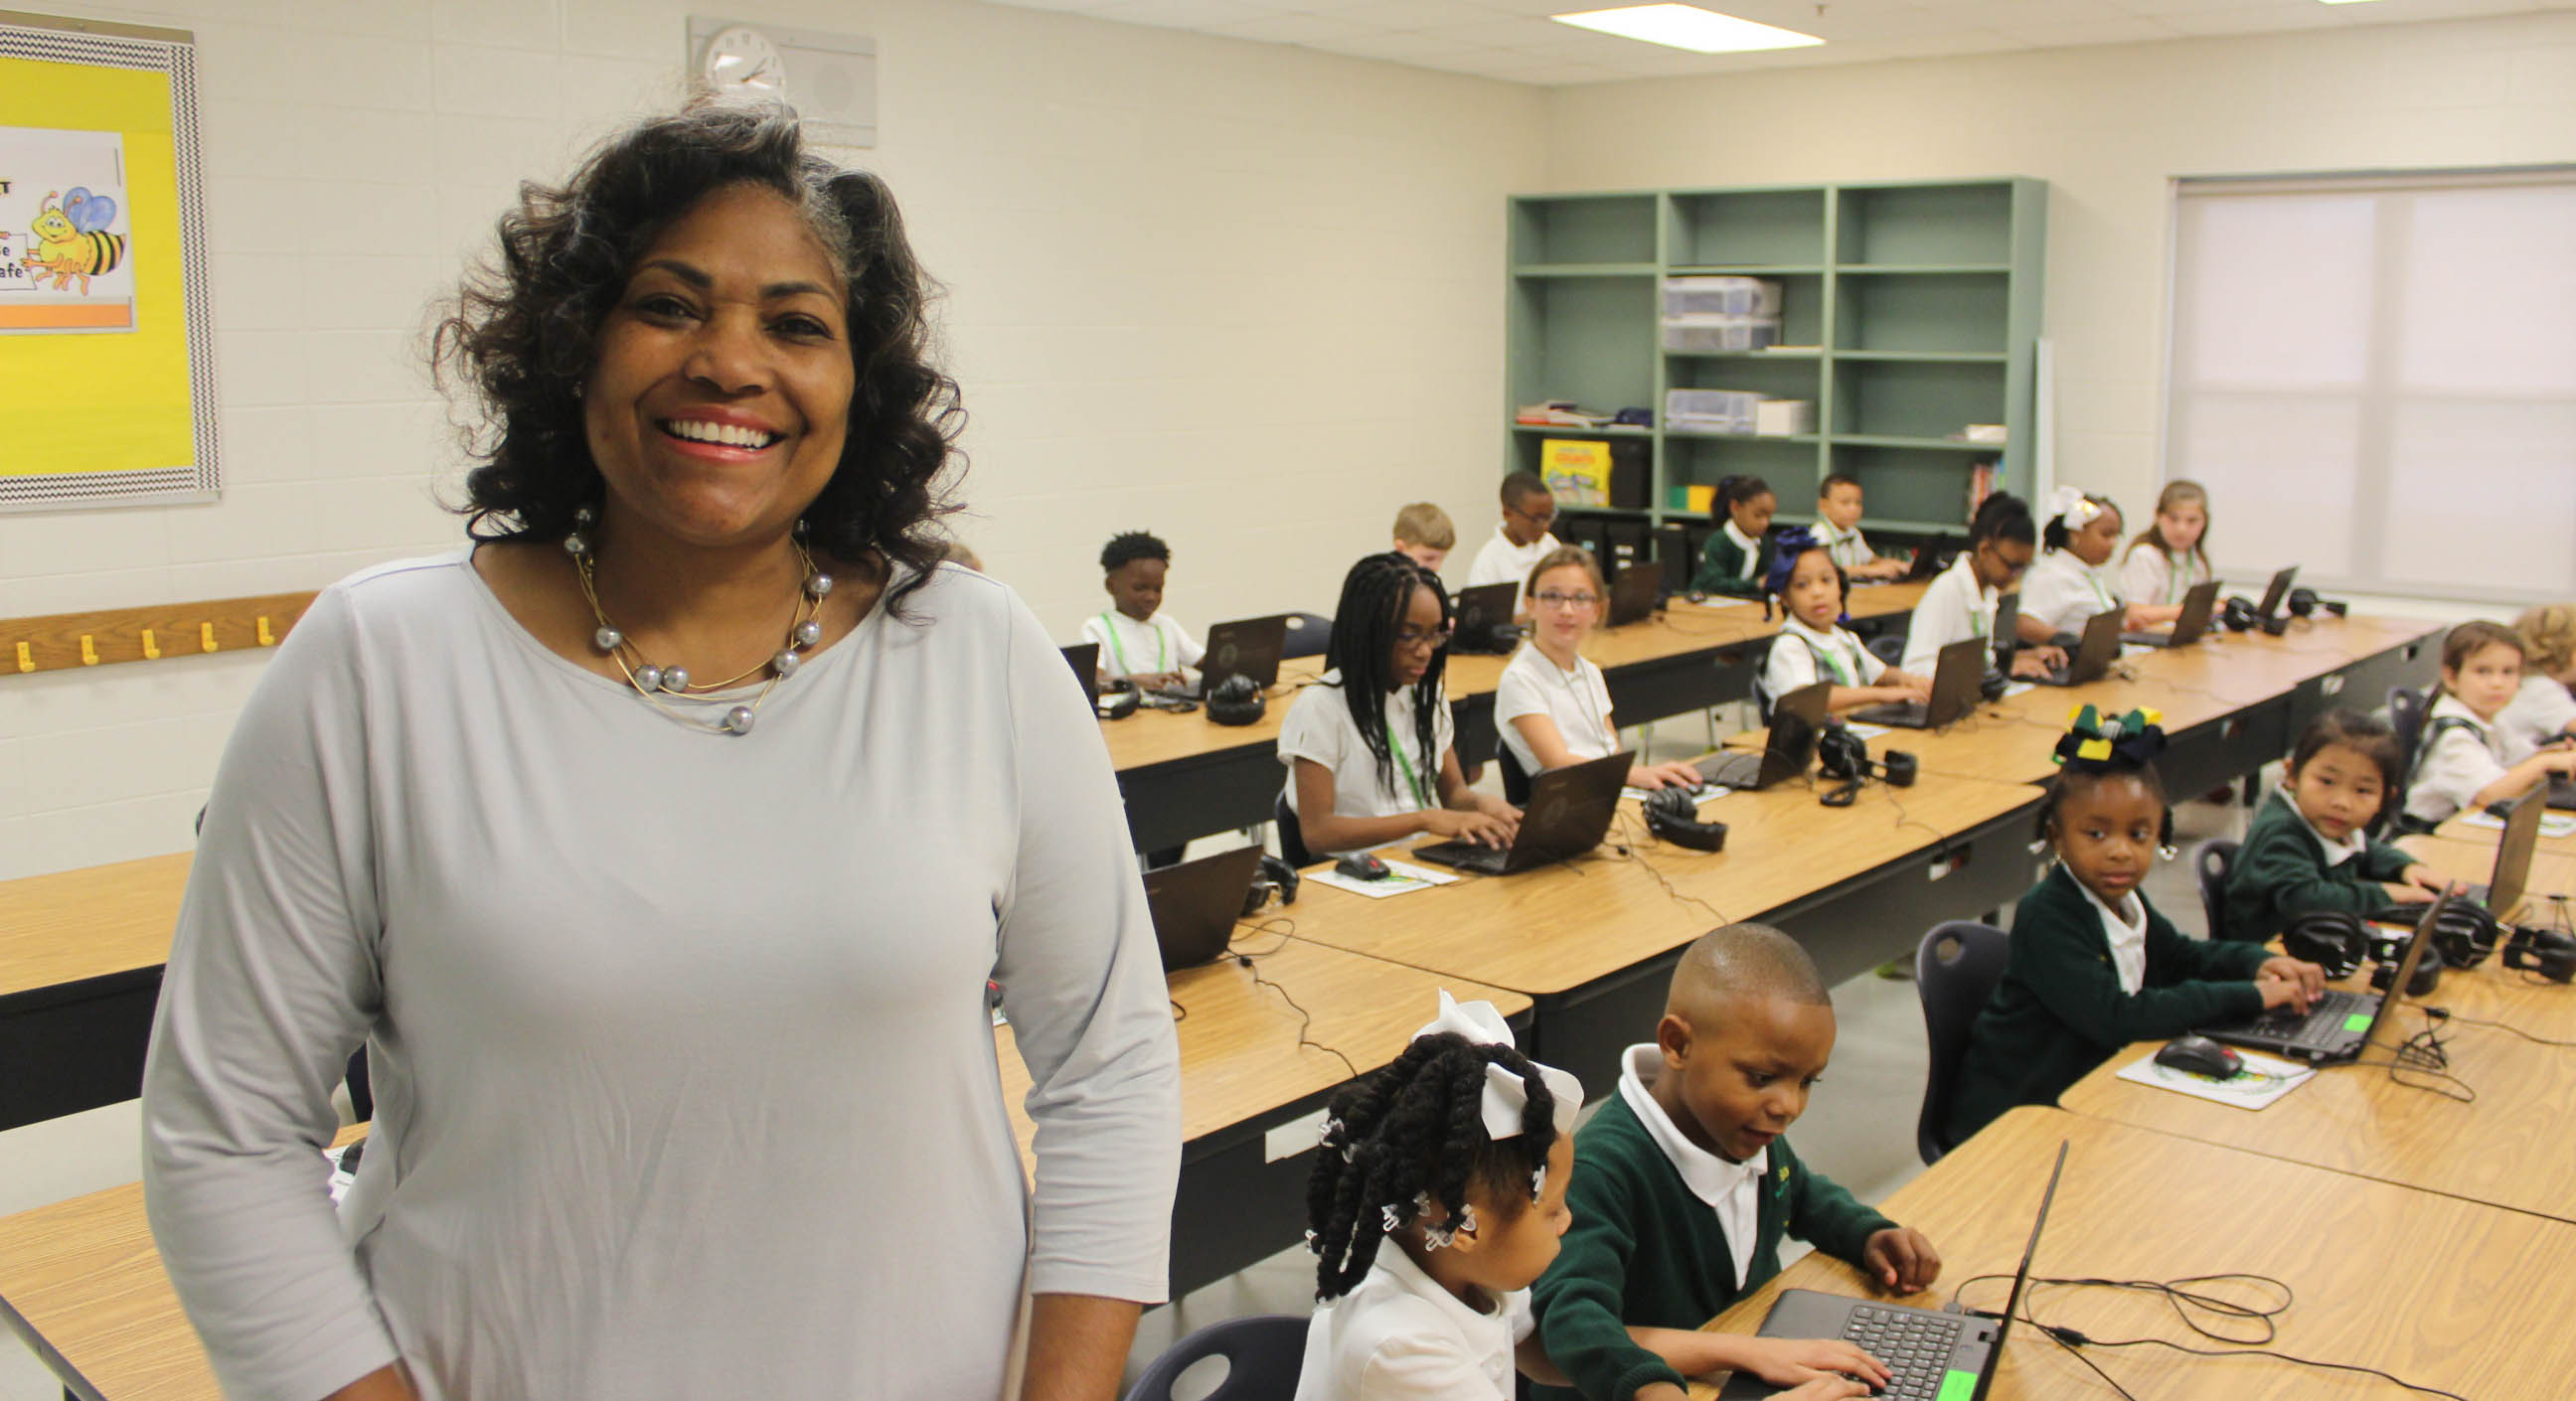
1138	641
1521	541
1683	1187
1424	534
1837	528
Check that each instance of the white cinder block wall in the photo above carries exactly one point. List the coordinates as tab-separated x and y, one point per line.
1244	295
2108	128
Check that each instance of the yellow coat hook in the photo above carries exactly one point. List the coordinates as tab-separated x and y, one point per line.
89	650
266	638
205	637
26	658
151	649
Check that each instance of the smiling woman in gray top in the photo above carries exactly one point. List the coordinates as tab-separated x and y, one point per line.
657	847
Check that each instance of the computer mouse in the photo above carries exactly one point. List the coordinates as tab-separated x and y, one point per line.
2199	1055
1359	865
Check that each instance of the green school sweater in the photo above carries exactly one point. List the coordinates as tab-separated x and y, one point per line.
2281	873
2059	1010
1721	562
1643	1250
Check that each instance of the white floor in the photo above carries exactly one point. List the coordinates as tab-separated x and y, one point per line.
1858	1130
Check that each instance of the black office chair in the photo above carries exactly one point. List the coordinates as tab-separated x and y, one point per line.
2406	717
1516	780
1956	968
1263	1356
1292	834
1309	635
2213	861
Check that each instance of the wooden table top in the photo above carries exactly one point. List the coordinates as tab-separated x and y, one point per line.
2442	1292
1549	930
2009	741
2552	872
88	923
1242	1055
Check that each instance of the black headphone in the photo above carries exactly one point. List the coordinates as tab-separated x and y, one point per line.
2304	602
2464	934
1673	815
2330	939
1237	700
2428	972
1277	878
1119	701
2544	951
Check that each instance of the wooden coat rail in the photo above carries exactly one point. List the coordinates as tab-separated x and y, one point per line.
155	632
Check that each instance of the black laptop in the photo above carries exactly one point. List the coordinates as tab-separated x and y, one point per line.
1635	594
1195	904
1568	813
2340	1025
1084	658
1795	720
2198	603
1931	1355
1955	679
2274	596
1245	647
1483	616
1935	554
2503	890
2093	656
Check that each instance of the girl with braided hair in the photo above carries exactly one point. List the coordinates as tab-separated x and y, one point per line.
1370	748
2093	966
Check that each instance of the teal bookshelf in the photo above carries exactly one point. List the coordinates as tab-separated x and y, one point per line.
1909	310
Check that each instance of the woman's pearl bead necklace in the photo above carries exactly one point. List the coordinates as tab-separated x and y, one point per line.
656	683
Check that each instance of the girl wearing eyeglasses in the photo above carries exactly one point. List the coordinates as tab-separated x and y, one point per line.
1370	749
1552	705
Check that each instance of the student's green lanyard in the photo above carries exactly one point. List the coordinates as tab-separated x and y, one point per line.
2100	593
1833	655
1421	798
1162	647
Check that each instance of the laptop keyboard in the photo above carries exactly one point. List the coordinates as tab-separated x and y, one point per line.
1731	770
2320	1026
1466	856
1915	1347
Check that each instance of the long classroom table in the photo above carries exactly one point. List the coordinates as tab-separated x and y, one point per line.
80	969
1595	940
2440	1291
2509	1148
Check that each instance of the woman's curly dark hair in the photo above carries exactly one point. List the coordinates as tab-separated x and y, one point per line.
522	331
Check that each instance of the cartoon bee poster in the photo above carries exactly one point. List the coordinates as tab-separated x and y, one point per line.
66	247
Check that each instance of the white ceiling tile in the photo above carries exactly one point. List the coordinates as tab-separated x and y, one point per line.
1567	75
2125	30
1425	14
1296	29
1507	32
1181	14
1398	47
1963	40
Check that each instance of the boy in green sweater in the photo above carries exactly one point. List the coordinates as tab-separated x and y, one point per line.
1683	1188
2310	847
2093	966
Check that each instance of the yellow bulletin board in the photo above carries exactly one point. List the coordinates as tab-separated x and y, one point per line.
107	384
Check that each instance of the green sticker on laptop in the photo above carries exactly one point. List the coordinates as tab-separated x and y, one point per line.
2357	1021
1957	1386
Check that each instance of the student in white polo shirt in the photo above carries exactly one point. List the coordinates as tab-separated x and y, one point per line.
1552	705
1520	541
1960	601
1813	646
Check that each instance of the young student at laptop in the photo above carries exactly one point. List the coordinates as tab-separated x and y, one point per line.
2465	759
2543	711
2310	847
1812	645
1733	559
1521	540
1437	1197
1138	641
2164	560
1960	601
1552	704
1837	528
2073	580
2093	966
1425	535
1684	1187
1370	748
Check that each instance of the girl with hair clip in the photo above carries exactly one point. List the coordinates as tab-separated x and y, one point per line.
2310	847
2543	711
2465	759
1734	558
1552	703
1812	645
2093	966
2072	580
1370	749
2164	560
1960	601
1438	1198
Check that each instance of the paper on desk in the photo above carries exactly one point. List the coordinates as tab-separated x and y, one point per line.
1865	731
1402	877
2264	1079
2017	687
1706	792
2552	824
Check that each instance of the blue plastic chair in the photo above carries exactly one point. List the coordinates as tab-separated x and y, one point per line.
1956	968
1263	1356
1309	635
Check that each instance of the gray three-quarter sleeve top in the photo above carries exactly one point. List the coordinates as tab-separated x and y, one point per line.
684	1082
